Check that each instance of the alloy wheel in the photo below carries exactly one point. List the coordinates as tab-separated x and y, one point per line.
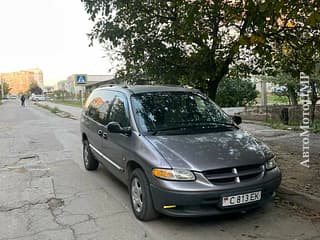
86	155
136	195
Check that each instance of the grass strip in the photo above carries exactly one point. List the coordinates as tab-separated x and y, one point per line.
69	103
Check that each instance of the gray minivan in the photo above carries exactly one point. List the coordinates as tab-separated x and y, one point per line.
177	151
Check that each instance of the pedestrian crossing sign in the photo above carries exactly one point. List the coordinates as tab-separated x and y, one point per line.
81	79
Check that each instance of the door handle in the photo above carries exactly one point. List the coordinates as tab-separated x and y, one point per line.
100	132
105	135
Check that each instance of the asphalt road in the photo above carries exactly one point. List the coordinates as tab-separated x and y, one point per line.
45	193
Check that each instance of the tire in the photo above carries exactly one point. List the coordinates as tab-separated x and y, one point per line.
140	196
90	163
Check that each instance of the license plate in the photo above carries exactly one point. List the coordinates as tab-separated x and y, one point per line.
241	199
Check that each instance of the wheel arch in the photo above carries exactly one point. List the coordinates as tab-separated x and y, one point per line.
131	166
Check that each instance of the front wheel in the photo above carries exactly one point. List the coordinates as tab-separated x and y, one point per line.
90	163
141	200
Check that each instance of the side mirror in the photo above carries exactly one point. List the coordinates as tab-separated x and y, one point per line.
237	119
114	127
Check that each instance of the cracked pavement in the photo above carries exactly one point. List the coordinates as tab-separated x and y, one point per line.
45	193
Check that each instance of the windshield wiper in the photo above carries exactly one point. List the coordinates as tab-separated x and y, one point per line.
194	126
212	124
155	131
222	123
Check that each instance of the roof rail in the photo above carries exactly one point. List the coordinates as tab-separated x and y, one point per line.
188	86
177	85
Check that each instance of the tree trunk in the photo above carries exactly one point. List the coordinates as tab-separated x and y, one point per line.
312	110
289	100
212	89
292	95
314	99
216	78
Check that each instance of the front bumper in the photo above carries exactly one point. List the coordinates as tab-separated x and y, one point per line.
206	203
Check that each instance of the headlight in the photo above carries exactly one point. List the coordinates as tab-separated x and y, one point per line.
173	174
270	164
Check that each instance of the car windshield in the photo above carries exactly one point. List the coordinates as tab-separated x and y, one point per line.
164	111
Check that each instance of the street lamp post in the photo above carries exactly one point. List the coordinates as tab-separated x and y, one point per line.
63	87
2	88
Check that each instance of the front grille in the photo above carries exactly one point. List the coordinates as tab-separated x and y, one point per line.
234	175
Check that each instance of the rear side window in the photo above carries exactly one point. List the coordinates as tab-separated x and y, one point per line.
119	112
98	104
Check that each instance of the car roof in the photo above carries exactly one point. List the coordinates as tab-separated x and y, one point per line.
134	89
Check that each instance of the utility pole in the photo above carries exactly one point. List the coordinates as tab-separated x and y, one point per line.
2	88
263	93
63	92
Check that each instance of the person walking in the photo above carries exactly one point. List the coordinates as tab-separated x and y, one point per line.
23	99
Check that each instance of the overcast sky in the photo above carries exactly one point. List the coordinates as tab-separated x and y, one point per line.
50	35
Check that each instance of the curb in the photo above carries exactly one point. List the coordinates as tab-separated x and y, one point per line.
302	199
255	122
60	113
64	114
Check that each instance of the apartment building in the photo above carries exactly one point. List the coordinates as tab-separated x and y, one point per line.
19	82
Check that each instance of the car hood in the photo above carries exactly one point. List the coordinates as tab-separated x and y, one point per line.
214	150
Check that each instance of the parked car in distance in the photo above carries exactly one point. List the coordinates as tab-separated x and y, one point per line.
12	97
177	151
38	98
279	89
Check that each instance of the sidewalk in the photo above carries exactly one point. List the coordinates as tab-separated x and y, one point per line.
300	185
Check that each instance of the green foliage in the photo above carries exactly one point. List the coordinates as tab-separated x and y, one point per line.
276	99
299	49
34	88
195	42
292	84
316	126
6	89
60	94
51	109
55	110
279	125
69	103
235	92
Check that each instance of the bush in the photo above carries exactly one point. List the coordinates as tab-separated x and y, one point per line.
236	92
316	126
55	110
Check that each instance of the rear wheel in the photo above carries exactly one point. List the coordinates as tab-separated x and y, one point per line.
141	200
90	163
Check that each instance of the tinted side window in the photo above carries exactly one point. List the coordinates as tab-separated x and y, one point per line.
118	112
98	105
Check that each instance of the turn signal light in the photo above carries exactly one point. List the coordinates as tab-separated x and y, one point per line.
162	173
173	174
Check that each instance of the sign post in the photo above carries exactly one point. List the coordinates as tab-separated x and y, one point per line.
81	79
